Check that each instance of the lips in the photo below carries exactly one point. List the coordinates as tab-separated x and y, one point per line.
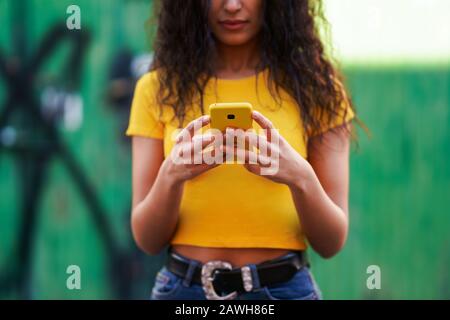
233	24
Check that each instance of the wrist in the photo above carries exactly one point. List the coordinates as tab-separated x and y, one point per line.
303	178
169	174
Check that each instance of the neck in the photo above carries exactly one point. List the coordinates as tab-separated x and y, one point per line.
237	60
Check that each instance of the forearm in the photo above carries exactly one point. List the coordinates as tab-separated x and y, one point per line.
325	224
155	218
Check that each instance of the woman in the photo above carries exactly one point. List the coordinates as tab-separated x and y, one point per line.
232	232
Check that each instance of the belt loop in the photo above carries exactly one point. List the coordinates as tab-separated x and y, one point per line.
190	272
255	276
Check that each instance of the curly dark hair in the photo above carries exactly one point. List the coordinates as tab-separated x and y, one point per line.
291	50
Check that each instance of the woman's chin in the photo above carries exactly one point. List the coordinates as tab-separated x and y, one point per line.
234	40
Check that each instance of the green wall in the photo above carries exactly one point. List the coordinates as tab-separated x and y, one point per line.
400	180
400	187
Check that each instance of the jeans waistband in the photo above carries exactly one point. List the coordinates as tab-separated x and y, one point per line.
193	264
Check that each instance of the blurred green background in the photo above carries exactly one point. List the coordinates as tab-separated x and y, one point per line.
400	177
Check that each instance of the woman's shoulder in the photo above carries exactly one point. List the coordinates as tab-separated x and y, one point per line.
148	97
149	79
147	86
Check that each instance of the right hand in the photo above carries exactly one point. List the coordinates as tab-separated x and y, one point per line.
186	143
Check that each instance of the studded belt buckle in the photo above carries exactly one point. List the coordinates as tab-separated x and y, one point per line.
208	275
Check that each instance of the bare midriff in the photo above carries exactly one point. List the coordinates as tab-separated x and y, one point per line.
236	256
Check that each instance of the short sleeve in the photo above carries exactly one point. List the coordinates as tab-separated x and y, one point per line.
144	116
343	115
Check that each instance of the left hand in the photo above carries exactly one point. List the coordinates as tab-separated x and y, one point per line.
279	161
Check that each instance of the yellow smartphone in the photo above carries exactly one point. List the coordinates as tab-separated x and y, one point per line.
231	114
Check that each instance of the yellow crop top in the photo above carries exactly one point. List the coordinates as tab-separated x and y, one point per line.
229	206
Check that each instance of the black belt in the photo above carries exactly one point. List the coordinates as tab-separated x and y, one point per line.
269	272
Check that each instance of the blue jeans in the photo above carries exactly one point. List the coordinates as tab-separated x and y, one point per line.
302	286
